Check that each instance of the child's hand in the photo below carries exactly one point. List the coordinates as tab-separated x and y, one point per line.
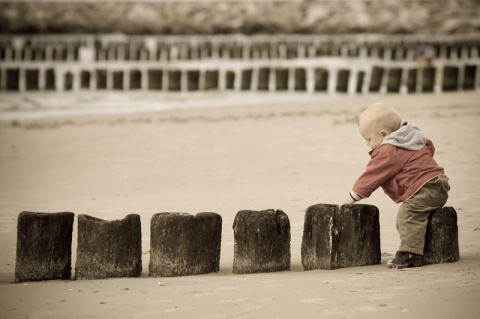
349	201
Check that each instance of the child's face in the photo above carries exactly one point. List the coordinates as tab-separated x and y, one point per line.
373	138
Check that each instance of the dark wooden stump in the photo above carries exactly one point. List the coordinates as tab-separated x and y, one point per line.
262	241
44	246
182	244
108	249
338	237
441	238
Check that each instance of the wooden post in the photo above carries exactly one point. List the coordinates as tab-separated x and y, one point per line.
477	78
332	81
437	86
183	81
352	81
44	246
27	54
93	80
387	53
22	81
282	51
165	79
384	81
163	54
70	52
202	79
272	80
215	51
262	241
254	80
410	54
443	52
144	79
76	79
222	79
311	51
403	82
441	237
59	80
3	79
310	80
366	82
108	249
461	77
110	53
41	79
419	83
338	237
238	80
126	79
301	51
363	53
182	244
109	79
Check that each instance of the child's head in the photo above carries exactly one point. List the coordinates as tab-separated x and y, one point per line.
377	122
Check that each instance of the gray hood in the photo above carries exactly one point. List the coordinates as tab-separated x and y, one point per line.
408	136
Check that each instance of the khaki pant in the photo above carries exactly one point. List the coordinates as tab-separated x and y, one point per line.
412	218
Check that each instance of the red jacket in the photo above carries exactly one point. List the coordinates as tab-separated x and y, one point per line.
400	172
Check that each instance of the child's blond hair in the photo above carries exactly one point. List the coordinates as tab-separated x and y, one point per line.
380	116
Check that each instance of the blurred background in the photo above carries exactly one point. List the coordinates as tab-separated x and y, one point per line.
352	47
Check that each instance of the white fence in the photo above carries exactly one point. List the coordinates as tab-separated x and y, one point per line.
350	64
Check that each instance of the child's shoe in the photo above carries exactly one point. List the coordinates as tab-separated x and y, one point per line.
404	260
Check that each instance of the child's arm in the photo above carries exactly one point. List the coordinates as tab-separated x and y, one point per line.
380	168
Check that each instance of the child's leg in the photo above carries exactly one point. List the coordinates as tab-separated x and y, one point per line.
411	225
412	218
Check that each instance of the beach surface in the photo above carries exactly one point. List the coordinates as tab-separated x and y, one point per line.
108	155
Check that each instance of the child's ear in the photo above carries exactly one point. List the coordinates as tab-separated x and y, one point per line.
384	133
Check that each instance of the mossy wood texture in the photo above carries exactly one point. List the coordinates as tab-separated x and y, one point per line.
262	241
338	237
182	244
441	238
109	249
44	246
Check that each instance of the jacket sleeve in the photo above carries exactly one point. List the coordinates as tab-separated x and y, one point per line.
381	167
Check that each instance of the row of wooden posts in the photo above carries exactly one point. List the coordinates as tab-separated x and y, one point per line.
255	47
293	63
329	75
182	244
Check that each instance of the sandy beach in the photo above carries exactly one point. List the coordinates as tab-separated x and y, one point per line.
109	155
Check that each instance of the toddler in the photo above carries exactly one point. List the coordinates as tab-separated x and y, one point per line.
402	164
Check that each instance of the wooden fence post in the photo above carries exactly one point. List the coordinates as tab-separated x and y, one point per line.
441	238
338	237
182	244
262	241
108	249
44	246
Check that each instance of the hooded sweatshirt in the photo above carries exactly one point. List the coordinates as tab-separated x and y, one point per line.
401	165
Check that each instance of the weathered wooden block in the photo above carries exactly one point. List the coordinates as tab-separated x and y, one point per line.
108	249
262	241
44	246
182	244
338	237
441	238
